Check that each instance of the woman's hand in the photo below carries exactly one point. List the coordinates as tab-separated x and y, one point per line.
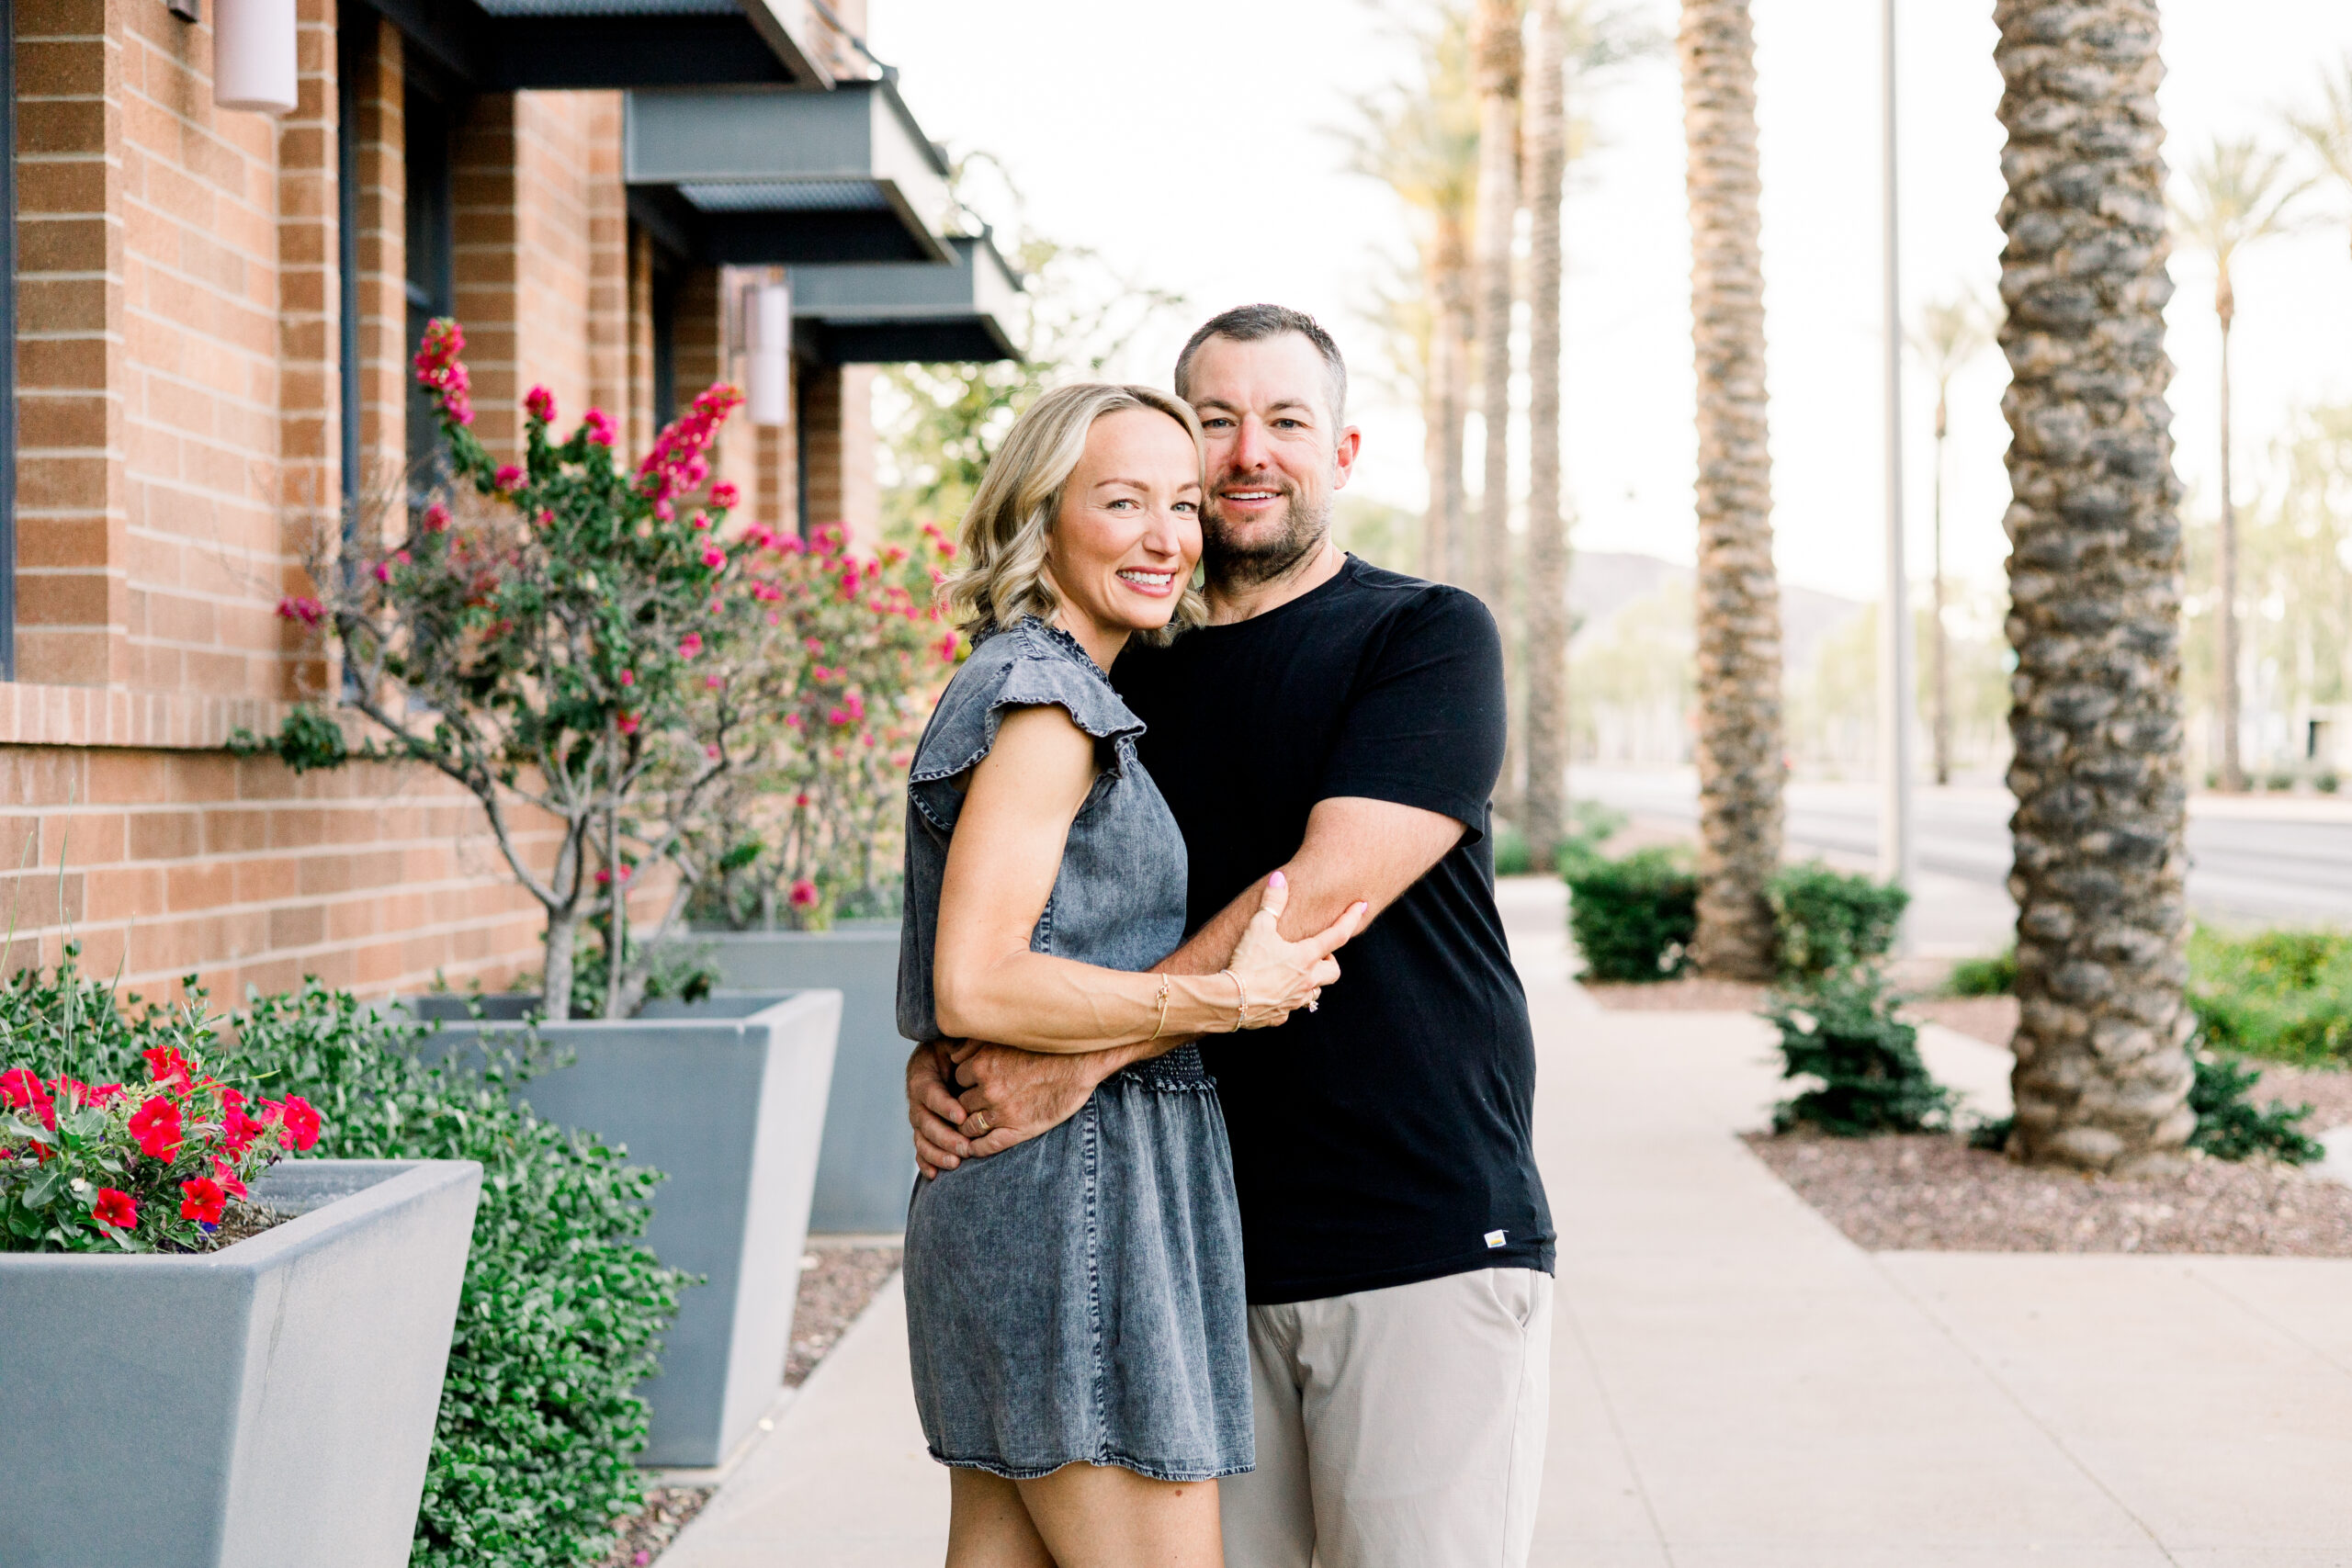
1278	978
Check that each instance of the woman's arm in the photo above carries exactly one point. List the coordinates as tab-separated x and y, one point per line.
1001	863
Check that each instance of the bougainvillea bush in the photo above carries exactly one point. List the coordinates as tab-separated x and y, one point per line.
565	634
563	1308
151	1165
857	650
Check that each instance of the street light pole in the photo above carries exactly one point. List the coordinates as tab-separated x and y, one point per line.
1895	697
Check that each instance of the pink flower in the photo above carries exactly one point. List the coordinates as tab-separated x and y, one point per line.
663	510
713	557
600	426
156	1125
690	645
436	518
115	1208
541	403
302	608
545	519
701	522
711	751
627	724
714	681
725	496
509	478
803	895
204	1201
223	1173
383	571
629	677
605	878
23	1090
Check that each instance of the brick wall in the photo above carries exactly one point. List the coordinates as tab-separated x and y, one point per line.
180	427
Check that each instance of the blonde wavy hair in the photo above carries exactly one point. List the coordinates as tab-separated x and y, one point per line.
1004	536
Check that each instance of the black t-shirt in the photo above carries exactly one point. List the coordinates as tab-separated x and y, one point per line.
1387	1137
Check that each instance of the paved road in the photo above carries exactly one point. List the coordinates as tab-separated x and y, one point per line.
2251	858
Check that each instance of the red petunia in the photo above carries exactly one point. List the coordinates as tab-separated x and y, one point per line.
226	1175
165	1066
156	1125
115	1208
302	1121
204	1201
24	1091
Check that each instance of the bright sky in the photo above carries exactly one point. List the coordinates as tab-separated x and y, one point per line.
1193	145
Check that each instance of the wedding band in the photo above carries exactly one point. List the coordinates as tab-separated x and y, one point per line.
979	1119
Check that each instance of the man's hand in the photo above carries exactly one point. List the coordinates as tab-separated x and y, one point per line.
1011	1096
1015	1094
932	1110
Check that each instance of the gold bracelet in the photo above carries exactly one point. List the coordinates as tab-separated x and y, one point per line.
1163	1024
1240	1002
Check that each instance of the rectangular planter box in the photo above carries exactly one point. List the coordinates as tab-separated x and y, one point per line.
267	1405
726	1097
868	1168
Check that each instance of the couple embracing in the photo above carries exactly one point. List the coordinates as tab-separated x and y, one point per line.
1196	1207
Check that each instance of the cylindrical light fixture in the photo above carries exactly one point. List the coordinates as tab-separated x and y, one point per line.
254	55
769	347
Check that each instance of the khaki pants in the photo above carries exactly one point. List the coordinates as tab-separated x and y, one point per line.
1396	1429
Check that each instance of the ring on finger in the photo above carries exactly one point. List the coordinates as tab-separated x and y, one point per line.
979	1123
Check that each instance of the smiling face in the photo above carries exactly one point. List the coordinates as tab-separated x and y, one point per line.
1277	453
1128	533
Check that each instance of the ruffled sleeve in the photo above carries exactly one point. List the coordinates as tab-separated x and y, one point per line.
1013	670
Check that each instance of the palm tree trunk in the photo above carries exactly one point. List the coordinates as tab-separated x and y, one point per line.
1738	603
2232	768
1496	45
1942	652
1444	401
1544	814
2102	1074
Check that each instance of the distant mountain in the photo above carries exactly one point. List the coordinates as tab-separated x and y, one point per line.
1602	584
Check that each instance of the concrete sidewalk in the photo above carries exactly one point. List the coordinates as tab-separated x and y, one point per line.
1736	1385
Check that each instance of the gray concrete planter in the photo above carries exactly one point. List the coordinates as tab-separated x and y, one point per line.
868	1168
267	1405
726	1097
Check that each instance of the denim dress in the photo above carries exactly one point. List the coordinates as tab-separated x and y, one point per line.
1076	1298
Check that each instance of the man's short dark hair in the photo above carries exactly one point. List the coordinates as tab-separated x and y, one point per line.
1254	323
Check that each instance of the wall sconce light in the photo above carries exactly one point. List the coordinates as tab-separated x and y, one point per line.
769	345
254	55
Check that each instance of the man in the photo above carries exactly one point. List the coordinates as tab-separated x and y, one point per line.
1344	725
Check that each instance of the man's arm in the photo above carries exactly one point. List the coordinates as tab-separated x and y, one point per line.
1355	848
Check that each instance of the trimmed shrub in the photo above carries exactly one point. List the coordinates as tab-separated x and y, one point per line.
1828	920
1510	850
1633	918
2281	994
562	1309
1992	976
1842	1030
2228	1125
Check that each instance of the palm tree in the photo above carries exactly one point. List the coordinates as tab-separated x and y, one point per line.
2327	132
1738	600
2102	1074
2237	197
1949	333
1421	139
1495	53
1545	811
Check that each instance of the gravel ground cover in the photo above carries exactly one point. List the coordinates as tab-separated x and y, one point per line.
837	1279
1934	1193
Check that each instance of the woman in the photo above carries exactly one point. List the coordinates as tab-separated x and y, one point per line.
1074	1304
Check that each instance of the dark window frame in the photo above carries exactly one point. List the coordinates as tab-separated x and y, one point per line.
9	343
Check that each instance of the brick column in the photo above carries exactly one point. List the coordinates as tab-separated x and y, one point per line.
382	284
836	401
309	419
638	426
610	322
72	593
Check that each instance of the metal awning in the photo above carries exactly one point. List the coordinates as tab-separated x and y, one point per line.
508	45
764	178
909	312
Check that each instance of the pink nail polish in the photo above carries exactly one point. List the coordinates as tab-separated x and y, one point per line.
1277	880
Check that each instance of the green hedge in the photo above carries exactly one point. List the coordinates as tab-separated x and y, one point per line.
2282	994
561	1311
1633	918
1827	920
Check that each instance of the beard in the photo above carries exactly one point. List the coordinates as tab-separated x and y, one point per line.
1296	533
